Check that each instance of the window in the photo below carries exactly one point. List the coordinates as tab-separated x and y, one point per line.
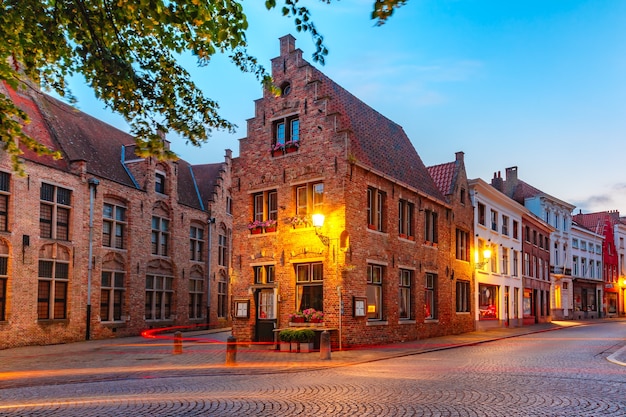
196	290
515	263
462	296
487	301
160	236
374	292
462	245
113	226
264	274
534	271
265	205
535	237
481	213
515	229
505	225
462	196
286	131
527	234
430	234
5	180
159	182
405	218
376	214
575	265
309	198
404	305
494	220
575	243
222	248
310	286
222	295
229	205
54	214
196	243
583	264
111	295
4	278
430	291
505	261
583	245
52	289
159	297
557	261
526	264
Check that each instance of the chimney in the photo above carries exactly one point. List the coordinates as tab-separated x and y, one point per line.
287	45
459	156
496	182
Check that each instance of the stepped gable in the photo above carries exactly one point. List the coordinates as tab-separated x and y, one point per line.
206	176
444	176
379	143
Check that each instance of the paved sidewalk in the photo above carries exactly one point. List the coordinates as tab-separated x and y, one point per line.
204	353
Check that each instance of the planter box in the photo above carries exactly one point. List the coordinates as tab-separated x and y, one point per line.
306	347
295	346
285	346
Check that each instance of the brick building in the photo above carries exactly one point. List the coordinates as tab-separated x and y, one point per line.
604	224
382	267
103	243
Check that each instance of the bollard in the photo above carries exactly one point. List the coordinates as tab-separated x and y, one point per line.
178	343
231	350
325	345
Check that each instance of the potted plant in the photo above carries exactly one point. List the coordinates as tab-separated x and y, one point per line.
292	146
297	317
277	149
305	338
297	221
317	317
269	225
285	336
255	227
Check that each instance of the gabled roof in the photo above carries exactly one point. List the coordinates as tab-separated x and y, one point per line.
379	143
207	175
596	222
104	148
444	176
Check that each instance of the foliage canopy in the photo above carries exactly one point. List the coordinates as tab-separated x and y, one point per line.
126	50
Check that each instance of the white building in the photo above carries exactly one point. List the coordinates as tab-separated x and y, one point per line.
584	298
497	259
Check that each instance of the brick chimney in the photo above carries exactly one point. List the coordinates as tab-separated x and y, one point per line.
497	182
287	45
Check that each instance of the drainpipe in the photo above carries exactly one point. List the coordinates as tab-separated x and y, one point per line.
93	184
210	221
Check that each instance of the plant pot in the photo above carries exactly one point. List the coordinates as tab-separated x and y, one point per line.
285	346
412	238
315	320
371	227
297	320
278	152
271	229
306	347
256	231
295	346
291	149
402	236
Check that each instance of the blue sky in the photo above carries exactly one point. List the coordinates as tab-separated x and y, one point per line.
535	84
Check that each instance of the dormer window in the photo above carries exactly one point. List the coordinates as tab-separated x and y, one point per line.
159	182
285	89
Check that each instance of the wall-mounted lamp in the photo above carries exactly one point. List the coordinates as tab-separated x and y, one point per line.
486	259
318	221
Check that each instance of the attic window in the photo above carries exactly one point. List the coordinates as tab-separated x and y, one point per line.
159	183
285	89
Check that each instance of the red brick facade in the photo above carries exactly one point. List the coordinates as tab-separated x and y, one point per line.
369	173
101	190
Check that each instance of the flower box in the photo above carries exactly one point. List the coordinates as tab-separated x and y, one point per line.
277	152
270	229
402	236
371	227
291	149
306	347
285	346
256	231
295	346
412	238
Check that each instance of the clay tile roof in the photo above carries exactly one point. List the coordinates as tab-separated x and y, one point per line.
379	143
444	175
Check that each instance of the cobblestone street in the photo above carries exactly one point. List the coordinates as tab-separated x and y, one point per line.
545	373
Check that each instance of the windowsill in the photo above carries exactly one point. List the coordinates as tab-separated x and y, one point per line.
46	322
406	321
113	324
431	321
378	232
407	238
377	323
463	313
